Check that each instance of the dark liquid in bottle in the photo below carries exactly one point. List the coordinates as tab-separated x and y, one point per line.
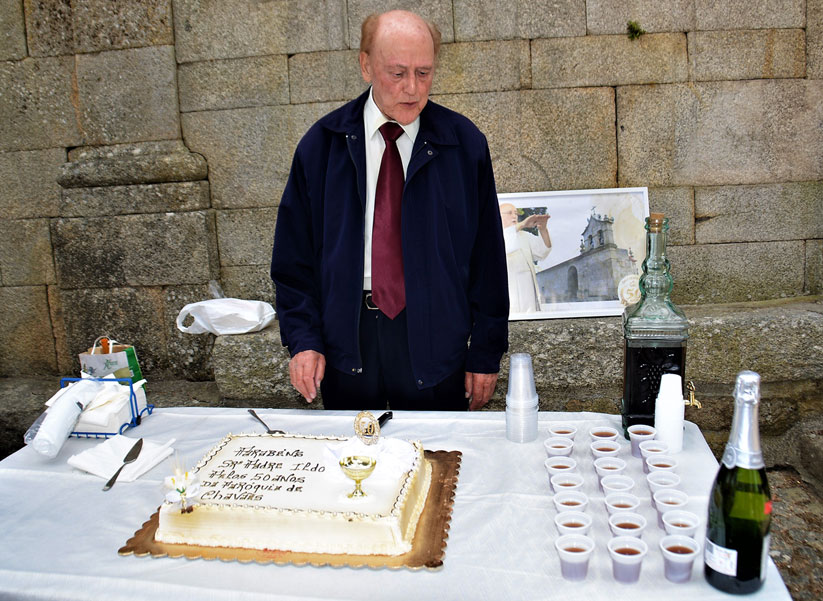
643	368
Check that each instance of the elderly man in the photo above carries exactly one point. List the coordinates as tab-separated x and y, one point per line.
388	257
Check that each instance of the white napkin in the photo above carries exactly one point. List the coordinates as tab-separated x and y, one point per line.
393	456
104	459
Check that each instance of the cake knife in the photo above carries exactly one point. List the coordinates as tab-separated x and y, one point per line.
134	451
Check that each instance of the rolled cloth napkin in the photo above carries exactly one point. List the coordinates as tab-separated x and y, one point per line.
105	458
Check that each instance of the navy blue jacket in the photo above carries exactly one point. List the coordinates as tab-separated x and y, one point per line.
453	253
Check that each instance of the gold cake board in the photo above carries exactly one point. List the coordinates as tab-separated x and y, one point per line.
428	546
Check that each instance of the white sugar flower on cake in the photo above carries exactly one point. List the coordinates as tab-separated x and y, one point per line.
183	487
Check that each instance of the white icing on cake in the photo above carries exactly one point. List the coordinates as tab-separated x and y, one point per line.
286	492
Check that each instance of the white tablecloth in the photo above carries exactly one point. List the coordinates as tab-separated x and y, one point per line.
61	532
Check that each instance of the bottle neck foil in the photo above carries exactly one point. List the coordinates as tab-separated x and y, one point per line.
743	449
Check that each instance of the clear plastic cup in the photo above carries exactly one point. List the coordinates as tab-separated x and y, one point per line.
679	553
627	553
605	448
668	499
571	500
621	501
627	523
574	551
609	466
563	430
679	521
661	463
639	433
603	433
570	481
616	483
560	465
660	480
573	522
521	392
557	446
651	447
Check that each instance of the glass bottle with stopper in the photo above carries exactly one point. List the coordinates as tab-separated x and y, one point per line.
655	331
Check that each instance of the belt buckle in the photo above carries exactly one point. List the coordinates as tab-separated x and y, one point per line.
367	300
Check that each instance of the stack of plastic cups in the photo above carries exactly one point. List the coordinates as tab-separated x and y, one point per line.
521	400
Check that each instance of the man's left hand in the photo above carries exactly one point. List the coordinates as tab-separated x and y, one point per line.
479	388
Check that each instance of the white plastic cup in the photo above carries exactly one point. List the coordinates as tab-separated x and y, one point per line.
637	434
560	465
668	499
571	500
617	502
563	430
609	466
557	445
679	521
603	433
574	551
616	483
660	480
605	448
570	481
661	463
679	553
649	448
627	553
573	522
627	523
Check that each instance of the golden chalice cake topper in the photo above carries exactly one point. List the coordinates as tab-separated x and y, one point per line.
367	428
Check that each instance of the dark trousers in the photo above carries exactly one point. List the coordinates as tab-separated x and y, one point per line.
387	377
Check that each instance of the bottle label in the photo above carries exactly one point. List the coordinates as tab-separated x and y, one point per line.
721	559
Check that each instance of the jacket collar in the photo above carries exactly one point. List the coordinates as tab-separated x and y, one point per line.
435	128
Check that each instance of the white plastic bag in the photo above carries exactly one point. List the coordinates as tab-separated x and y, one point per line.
225	316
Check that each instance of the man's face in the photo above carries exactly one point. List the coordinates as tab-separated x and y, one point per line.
400	67
508	215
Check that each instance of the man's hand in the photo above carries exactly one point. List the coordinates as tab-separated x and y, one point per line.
306	370
479	388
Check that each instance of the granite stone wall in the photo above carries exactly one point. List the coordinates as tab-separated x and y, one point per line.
144	145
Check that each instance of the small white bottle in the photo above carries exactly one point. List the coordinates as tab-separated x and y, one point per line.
669	412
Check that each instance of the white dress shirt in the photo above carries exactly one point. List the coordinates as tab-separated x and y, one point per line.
373	118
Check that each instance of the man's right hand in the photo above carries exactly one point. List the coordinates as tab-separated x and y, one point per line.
306	370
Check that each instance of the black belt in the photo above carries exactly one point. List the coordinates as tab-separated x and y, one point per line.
369	302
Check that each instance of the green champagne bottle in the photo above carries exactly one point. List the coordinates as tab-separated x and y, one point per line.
740	506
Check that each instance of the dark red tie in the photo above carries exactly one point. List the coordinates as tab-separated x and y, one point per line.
388	287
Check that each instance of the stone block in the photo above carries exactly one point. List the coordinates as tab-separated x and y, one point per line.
720	133
26	341
133	316
526	19
255	367
25	252
814	266
482	67
103	25
251	282
249	151
141	105
325	76
143	163
728	273
791	211
560	139
609	60
814	39
744	14
749	54
189	355
126	200
678	205
12	30
36	104
240	28
245	236
49	27
65	361
611	16
233	83
438	11
29	187
134	250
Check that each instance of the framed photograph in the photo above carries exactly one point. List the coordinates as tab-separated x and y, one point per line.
576	253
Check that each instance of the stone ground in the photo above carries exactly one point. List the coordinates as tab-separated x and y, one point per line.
797	525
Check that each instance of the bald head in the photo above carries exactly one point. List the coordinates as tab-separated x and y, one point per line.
397	55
